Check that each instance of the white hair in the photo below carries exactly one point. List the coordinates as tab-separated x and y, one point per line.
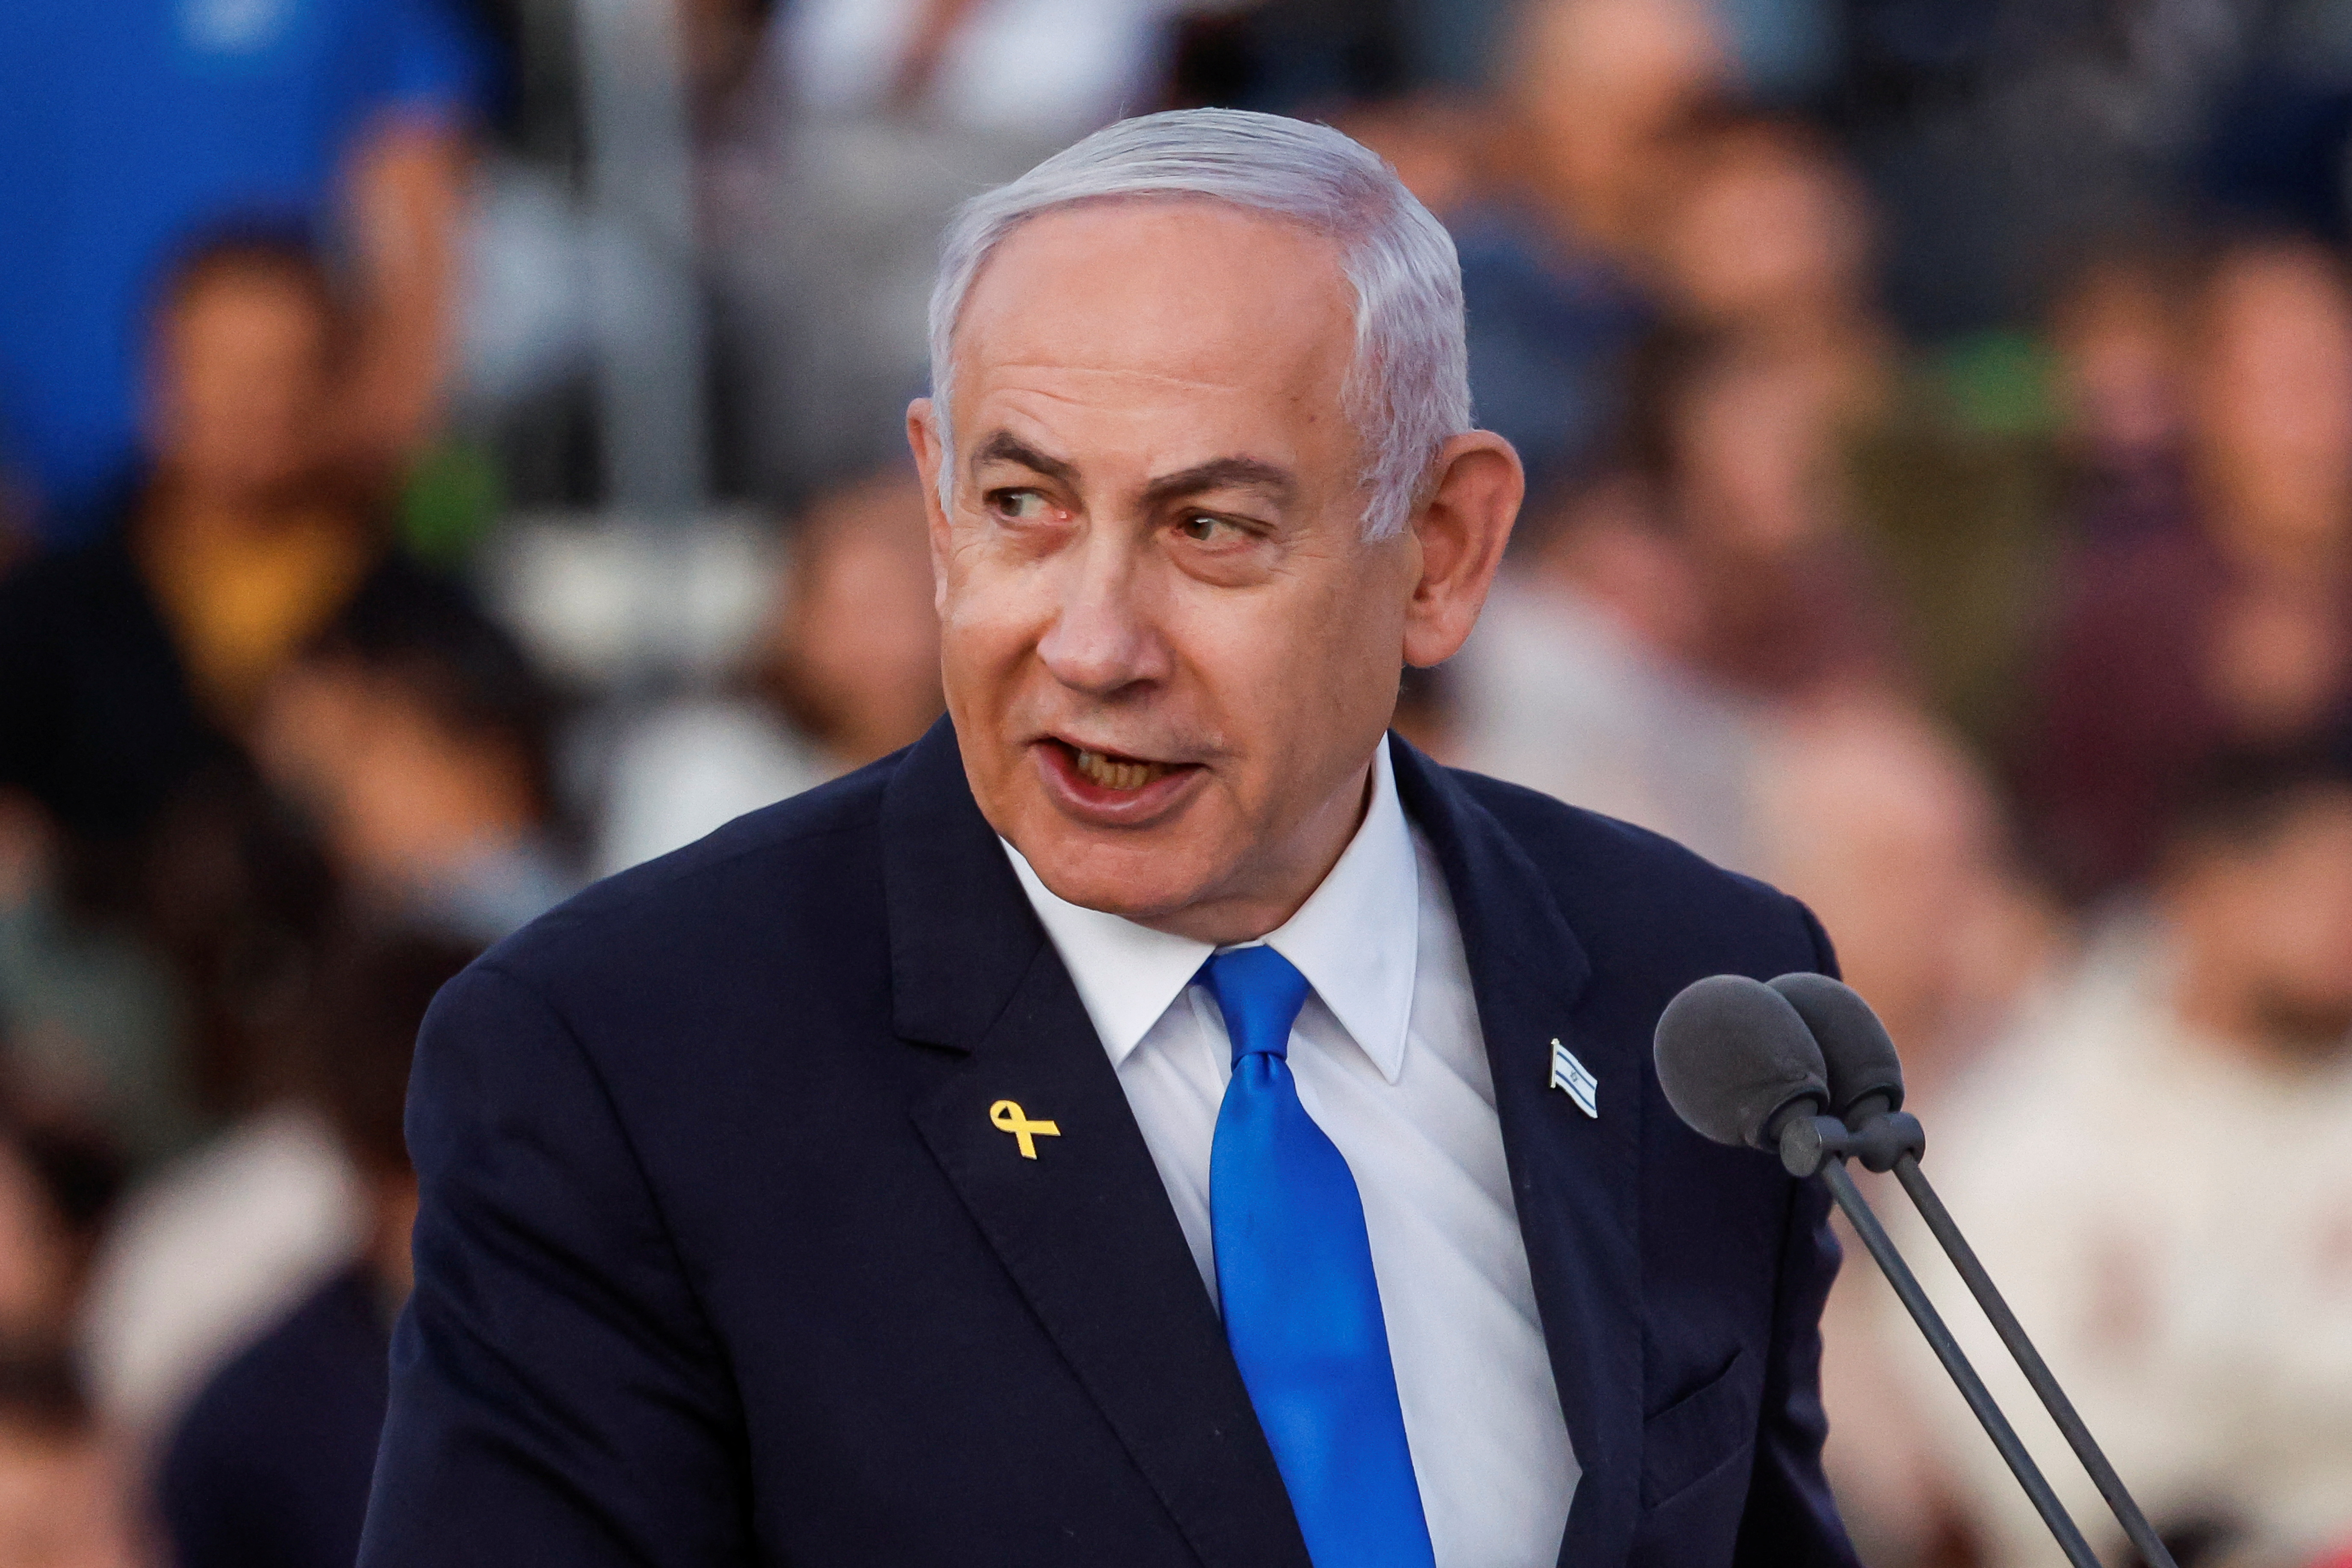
1408	389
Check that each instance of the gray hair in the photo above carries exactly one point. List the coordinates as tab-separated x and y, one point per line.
1407	391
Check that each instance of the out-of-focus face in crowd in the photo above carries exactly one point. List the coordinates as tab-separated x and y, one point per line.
2273	402
2262	910
398	793
1595	86
1769	233
2118	337
239	392
854	653
1168	647
62	1499
1756	433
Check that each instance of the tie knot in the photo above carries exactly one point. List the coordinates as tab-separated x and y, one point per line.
1260	993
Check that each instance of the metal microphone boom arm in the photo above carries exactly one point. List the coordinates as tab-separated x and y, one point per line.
1881	1134
1820	1145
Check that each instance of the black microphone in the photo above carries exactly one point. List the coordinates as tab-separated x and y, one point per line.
1854	1046
1736	1060
1865	1081
1741	1066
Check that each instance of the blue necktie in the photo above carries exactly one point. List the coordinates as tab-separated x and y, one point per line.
1302	1308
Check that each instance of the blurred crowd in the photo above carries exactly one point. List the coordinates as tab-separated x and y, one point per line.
1938	415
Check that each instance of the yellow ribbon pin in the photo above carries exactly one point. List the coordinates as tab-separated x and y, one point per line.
1007	1116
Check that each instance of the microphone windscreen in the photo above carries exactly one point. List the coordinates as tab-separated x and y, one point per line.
1860	1056
1732	1054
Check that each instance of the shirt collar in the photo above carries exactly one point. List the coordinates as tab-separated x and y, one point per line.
1356	939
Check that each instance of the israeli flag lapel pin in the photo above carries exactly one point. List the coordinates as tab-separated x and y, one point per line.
1573	1079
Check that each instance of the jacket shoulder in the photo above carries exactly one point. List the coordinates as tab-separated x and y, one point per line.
795	876
1616	882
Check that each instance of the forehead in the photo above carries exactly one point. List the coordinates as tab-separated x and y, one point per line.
245	301
1155	305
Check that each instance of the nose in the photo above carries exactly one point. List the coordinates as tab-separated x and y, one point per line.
1104	639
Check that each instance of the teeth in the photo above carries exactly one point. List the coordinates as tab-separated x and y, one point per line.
1112	773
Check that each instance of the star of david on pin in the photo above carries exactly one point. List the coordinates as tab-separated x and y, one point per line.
1007	1116
1574	1079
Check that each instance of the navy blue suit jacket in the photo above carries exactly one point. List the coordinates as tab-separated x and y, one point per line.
722	1260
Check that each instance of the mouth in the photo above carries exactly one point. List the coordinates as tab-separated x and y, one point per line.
1112	788
1114	772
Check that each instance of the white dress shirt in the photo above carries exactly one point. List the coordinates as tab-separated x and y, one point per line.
1391	1065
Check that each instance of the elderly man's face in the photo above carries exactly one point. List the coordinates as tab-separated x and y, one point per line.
1169	650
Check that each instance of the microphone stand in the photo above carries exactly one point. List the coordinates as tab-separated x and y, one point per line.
1819	1145
1885	1139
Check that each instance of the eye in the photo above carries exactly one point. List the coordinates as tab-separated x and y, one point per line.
1205	528
1019	506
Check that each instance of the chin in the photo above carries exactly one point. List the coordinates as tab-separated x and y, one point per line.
1144	879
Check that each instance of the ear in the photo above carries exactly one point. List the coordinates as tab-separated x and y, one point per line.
1461	529
931	451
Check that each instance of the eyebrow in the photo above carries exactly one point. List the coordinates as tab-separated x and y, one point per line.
1006	447
1216	474
1223	473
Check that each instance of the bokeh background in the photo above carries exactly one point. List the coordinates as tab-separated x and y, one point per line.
452	449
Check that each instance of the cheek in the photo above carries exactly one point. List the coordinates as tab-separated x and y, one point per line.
1239	653
1308	666
2303	930
991	613
2329	935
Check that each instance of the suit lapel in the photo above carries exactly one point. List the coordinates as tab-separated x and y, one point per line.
1573	1177
1084	1228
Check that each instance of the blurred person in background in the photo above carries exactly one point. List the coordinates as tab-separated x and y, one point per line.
50	1213
1558	237
2157	1168
1750	245
1084	61
133	667
1578	680
63	1502
127	667
860	126
847	670
2170	644
1749	444
411	737
135	672
1705	562
125	132
1892	826
87	1013
270	1465
412	734
2118	333
1893	829
1768	236
209	1252
1596	90
1751	405
1893	492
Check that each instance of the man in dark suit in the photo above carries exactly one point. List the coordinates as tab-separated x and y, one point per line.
1159	1118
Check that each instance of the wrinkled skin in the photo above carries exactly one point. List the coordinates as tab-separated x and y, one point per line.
1168	649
